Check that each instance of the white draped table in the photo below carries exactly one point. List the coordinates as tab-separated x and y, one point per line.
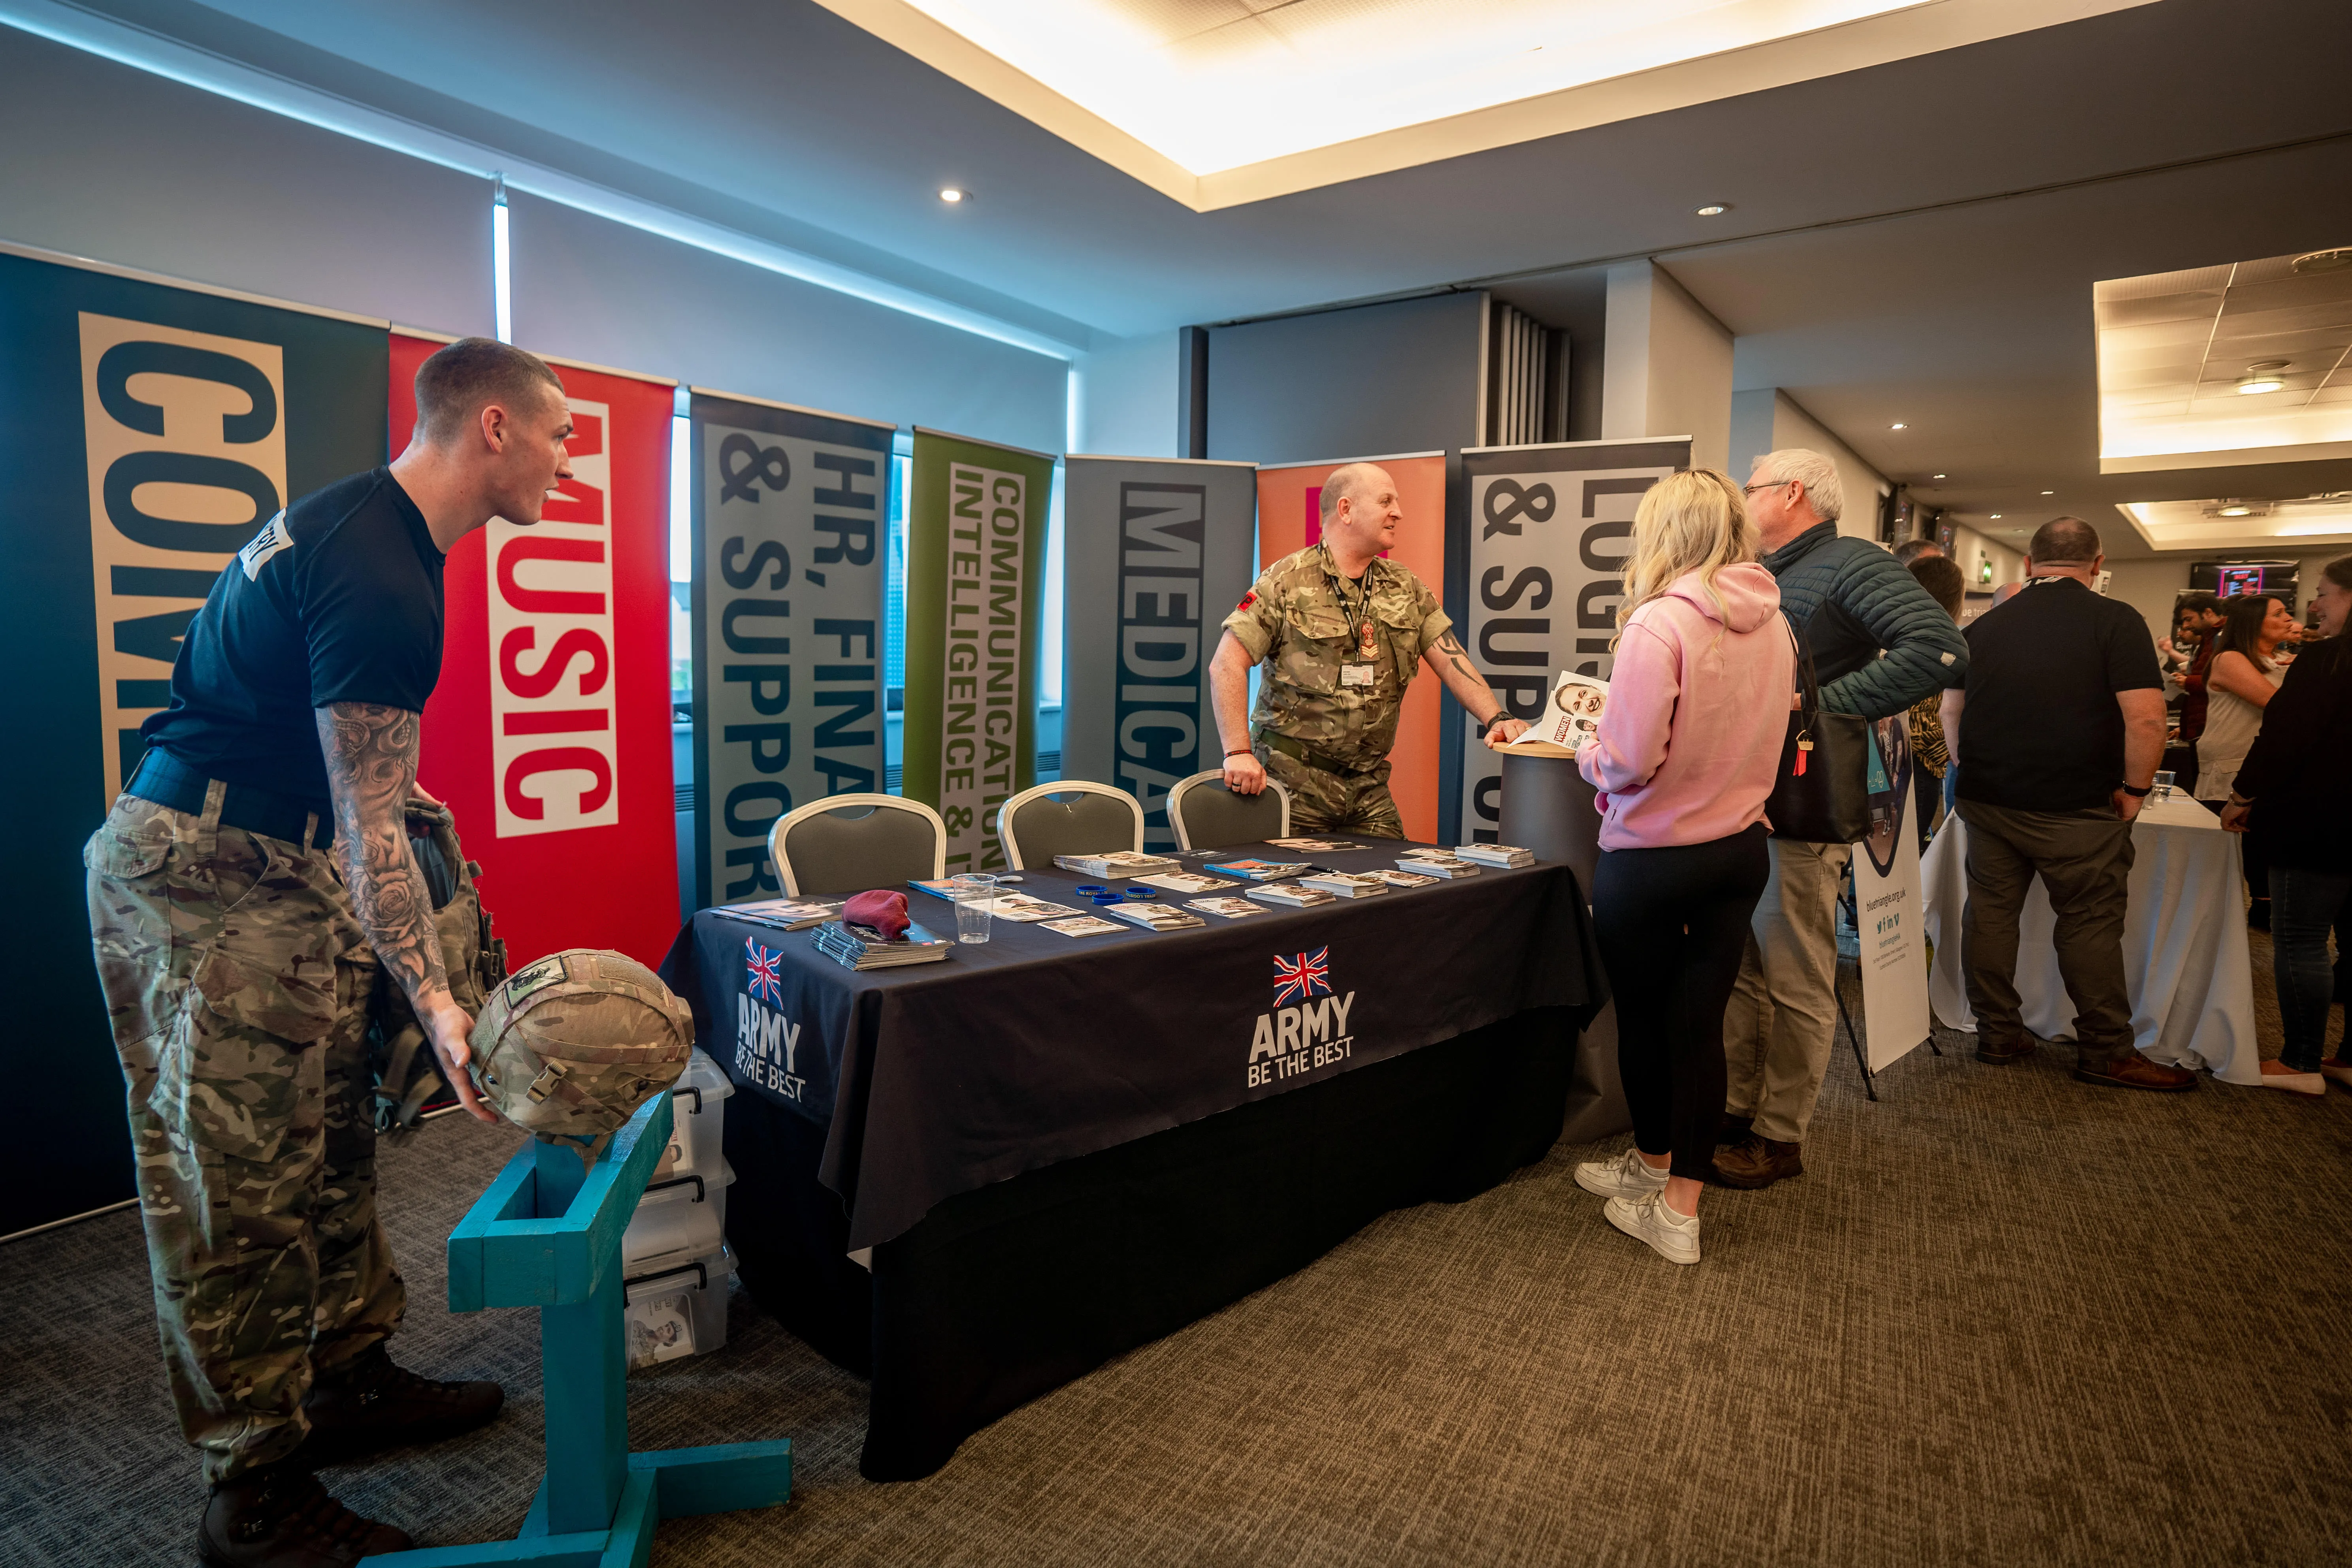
2192	989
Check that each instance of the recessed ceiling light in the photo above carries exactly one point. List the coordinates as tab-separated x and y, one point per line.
1938	476
2335	260
1996	517
2050	492
952	194
2235	509
1898	425
2262	375
1715	209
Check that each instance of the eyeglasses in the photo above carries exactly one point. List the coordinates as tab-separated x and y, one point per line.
1767	485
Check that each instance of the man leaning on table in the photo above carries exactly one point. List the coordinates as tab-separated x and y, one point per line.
2058	727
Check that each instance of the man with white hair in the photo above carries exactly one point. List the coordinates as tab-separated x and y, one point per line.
1880	642
1341	631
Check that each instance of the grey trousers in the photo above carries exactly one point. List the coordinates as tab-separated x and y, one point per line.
1782	1019
2084	860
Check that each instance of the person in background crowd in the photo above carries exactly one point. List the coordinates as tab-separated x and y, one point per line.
1913	551
2290	795
2243	676
2203	612
1940	575
2059	725
1880	642
1683	758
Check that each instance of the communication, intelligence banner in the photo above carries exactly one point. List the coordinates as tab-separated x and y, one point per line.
1540	533
789	509
975	568
1155	554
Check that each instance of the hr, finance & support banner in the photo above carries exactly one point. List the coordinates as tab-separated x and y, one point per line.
975	570
790	506
1538	537
1154	552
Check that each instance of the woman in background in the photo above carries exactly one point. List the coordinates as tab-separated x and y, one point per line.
1685	759
2244	676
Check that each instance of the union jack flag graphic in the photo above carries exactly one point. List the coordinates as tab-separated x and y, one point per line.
1307	975
761	972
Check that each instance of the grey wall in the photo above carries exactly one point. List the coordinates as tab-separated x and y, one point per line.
1400	377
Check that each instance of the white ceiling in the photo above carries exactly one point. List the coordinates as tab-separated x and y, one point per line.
2238	523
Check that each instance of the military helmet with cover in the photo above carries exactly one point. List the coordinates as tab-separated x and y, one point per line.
570	1046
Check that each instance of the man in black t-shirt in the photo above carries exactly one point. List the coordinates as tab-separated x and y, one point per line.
250	889
2058	732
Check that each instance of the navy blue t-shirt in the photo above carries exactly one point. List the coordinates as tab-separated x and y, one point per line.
338	599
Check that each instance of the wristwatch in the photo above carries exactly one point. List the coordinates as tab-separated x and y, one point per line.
1488	727
2135	794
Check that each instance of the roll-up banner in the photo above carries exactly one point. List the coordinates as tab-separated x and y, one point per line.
1290	518
1537	538
790	506
1889	913
151	430
548	736
1154	550
975	570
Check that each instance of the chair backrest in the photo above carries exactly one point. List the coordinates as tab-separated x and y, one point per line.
1094	819
1206	814
849	843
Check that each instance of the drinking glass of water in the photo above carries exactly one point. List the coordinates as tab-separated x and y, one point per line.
2162	785
975	896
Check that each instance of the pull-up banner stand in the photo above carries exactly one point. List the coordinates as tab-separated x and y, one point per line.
1536	539
1290	518
975	569
1154	552
789	510
549	733
151	430
1889	913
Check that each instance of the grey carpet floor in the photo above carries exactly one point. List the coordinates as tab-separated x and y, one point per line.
2002	1319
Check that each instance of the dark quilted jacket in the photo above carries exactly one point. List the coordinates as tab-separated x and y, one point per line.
1850	599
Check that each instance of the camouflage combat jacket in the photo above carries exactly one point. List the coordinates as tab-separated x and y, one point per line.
1296	621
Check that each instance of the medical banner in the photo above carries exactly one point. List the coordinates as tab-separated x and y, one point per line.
151	430
549	735
1155	552
1290	518
1537	537
975	571
1889	910
790	512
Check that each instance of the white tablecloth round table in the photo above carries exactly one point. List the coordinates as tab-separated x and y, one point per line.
2184	943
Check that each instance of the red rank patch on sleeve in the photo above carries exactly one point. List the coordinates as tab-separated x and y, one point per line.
1247	600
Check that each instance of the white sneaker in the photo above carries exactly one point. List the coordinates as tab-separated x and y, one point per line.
1624	1177
1671	1235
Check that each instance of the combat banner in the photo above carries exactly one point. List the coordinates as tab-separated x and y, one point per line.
1155	552
549	734
1536	536
789	512
1290	518
975	573
151	430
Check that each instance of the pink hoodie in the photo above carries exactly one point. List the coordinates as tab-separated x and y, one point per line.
1698	709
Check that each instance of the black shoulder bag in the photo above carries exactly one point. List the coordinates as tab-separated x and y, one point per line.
1821	793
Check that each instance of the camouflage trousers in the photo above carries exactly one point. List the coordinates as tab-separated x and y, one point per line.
1325	802
237	982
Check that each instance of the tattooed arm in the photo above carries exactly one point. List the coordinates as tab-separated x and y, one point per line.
371	752
1451	660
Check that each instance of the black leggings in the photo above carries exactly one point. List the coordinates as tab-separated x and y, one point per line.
1672	924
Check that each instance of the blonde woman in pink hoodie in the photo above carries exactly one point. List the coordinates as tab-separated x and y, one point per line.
1683	758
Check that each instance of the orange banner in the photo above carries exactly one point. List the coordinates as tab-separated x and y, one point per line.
1289	519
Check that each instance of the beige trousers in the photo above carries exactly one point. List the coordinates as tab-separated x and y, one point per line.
1782	1019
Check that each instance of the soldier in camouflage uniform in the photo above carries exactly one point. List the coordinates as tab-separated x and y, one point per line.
251	893
1341	633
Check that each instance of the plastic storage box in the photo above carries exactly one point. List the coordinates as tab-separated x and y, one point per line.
698	1113
678	1219
677	1311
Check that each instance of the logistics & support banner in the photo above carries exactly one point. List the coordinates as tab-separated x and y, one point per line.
1290	518
1537	538
975	577
549	735
790	509
1155	552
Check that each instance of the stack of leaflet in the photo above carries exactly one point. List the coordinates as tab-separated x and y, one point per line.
1257	870
1186	882
1409	878
1501	854
1298	897
1115	864
784	914
1435	863
862	947
1153	917
1344	884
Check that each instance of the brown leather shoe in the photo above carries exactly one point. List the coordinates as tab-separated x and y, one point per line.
280	1517
1758	1163
2001	1054
2129	1069
1733	1129
373	1403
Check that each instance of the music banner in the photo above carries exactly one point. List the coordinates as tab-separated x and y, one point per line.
1538	536
1889	913
1155	552
789	507
549	735
1290	518
151	430
975	574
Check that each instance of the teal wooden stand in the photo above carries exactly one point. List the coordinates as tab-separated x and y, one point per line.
547	1233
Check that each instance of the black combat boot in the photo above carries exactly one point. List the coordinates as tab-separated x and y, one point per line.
280	1517
372	1404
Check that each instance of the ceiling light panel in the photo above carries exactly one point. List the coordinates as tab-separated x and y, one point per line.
2240	524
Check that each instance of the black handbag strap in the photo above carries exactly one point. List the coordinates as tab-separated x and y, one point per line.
1809	684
